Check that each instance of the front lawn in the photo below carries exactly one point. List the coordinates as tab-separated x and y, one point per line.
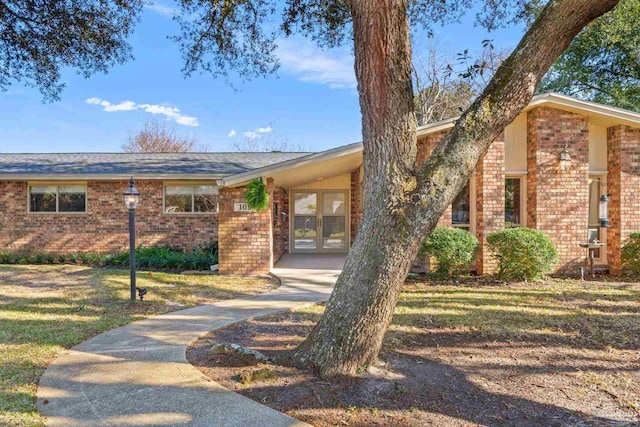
555	353
47	309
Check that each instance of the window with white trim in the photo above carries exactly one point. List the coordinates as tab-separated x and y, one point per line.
190	199
513	202
67	198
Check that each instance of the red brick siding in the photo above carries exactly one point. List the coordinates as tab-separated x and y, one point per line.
489	203
280	223
245	239
558	201
104	228
623	181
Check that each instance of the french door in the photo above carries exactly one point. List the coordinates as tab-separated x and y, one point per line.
320	221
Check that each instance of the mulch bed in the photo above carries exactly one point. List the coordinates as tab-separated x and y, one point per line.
435	375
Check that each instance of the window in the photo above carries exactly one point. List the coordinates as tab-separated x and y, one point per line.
190	198
58	198
460	212
512	202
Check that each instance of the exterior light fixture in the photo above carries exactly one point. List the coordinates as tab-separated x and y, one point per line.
603	211
565	158
131	199
131	196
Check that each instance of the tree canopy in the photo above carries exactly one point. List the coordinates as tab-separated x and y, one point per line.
221	37
38	38
603	62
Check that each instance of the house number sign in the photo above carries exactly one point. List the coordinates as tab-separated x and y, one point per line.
241	207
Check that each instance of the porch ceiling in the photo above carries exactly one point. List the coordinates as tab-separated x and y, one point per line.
311	172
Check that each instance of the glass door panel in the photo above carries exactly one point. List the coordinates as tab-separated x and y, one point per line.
305	203
305	221
334	203
334	224
334	232
305	229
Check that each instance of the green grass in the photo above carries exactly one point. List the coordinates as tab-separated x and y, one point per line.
599	315
593	314
47	309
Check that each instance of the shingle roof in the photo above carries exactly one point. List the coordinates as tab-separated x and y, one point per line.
147	164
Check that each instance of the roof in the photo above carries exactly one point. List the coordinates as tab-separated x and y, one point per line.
237	168
123	165
601	114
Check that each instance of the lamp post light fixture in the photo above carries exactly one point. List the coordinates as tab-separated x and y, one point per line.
565	159
131	199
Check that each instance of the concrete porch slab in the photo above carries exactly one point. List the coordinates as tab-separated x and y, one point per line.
333	262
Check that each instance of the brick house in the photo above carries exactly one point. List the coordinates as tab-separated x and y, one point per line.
72	202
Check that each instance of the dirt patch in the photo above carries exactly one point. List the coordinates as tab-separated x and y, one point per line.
453	357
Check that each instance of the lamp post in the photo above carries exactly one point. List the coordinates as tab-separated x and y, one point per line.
131	199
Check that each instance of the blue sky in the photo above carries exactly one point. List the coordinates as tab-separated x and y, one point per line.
311	103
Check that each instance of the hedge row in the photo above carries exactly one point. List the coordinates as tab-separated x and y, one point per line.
154	257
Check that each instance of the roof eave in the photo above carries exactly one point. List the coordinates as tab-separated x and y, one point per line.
107	177
630	117
232	180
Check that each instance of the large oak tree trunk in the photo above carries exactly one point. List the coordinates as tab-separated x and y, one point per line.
402	206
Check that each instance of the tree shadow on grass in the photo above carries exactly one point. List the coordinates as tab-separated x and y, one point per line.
537	335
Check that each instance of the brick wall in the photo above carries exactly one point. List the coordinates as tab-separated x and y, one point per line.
558	201
623	182
245	239
280	222
104	228
489	203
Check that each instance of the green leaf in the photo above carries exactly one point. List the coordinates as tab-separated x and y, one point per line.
256	195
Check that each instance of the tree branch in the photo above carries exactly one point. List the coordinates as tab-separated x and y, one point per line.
511	89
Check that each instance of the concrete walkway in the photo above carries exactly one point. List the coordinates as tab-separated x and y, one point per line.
138	374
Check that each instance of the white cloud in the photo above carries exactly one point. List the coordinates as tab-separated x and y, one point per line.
254	134
232	133
109	107
268	129
162	10
251	135
311	64
171	113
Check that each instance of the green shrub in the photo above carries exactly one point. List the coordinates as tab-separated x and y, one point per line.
522	253
452	248
154	257
631	254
